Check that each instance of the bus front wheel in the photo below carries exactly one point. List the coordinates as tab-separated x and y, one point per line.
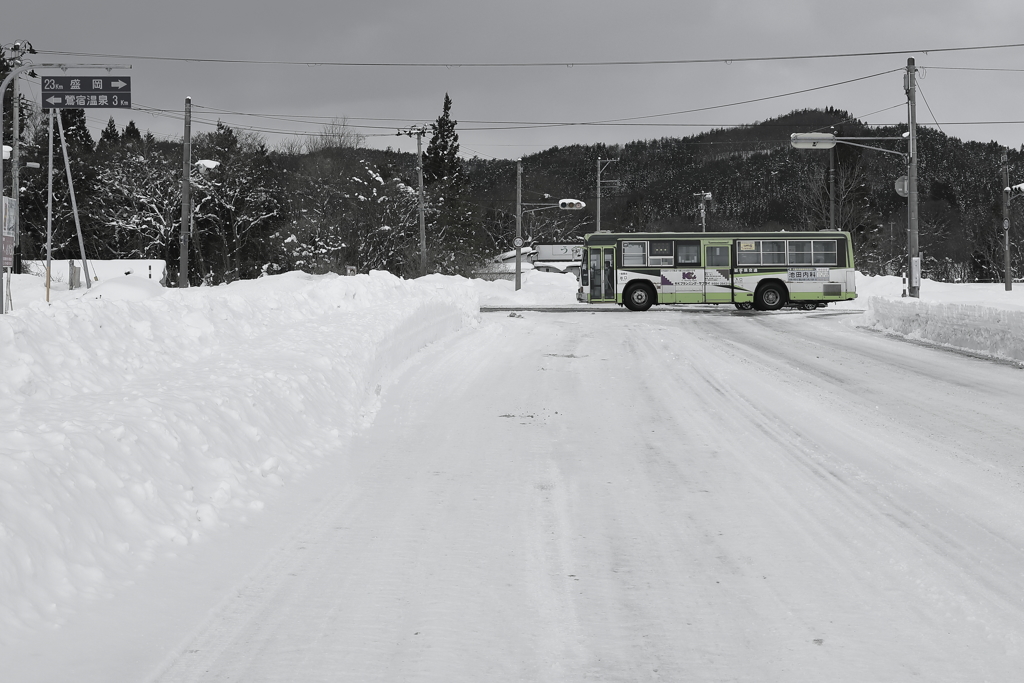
771	297
638	297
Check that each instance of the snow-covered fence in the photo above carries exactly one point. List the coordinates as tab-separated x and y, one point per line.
101	269
981	329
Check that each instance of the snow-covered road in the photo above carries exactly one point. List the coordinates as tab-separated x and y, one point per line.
677	495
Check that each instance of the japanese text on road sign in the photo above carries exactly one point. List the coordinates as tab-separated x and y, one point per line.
62	92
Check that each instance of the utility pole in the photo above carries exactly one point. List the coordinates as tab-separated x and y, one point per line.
601	165
186	195
913	250
423	223
15	173
519	223
49	207
419	133
17	50
1008	271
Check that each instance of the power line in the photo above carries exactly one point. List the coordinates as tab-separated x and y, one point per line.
173	114
518	125
566	63
972	68
929	107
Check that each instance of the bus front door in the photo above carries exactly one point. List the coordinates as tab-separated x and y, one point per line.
602	274
717	271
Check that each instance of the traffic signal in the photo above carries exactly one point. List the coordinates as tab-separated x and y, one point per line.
571	204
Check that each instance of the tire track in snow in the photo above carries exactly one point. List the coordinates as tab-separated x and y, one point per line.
613	498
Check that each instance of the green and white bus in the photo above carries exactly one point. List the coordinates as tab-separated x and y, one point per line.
760	270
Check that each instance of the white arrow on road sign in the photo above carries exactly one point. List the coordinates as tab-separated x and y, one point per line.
117	84
54	100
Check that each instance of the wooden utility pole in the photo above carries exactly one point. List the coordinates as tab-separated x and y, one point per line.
913	250
186	195
423	223
1007	270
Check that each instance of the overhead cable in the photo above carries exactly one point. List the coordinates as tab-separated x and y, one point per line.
566	63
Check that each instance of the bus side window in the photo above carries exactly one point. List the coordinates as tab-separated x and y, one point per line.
799	253
634	254
688	253
584	273
716	257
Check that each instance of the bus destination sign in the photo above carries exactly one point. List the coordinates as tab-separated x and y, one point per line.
87	92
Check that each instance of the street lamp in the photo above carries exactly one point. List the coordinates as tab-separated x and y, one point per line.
704	198
829	141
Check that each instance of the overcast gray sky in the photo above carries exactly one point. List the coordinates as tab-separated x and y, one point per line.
962	88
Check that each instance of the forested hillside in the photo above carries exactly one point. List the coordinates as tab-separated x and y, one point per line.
758	182
328	202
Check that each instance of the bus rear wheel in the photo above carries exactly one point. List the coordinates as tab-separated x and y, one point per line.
770	297
638	297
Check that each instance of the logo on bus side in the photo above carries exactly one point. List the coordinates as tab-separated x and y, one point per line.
681	278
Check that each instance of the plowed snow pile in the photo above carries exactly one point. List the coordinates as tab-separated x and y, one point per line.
135	418
981	318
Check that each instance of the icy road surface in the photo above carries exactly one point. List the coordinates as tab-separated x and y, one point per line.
677	495
666	496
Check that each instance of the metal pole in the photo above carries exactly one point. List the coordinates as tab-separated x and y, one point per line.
913	251
599	193
832	188
423	224
1007	269
519	221
74	204
49	208
16	174
186	195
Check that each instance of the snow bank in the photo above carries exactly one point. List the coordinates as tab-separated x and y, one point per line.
982	318
138	419
538	289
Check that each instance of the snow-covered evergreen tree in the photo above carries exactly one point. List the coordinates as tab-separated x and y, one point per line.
441	161
452	243
131	133
109	137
